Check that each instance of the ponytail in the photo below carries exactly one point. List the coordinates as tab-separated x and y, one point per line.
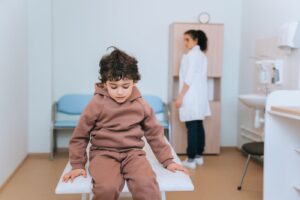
200	36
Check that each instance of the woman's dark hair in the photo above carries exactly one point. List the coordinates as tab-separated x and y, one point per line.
118	65
200	36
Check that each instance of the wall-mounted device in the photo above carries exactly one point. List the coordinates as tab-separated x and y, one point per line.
263	71
270	71
289	36
277	73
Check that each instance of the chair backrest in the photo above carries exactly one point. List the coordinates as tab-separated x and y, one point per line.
155	102
74	104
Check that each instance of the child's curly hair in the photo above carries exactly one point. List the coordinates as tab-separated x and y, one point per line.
118	65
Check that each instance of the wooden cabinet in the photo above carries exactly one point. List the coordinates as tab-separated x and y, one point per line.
211	125
214	54
214	33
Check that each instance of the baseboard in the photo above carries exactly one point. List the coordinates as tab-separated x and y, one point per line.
62	150
235	148
13	173
39	155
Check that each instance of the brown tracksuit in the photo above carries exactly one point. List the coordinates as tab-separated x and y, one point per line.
116	131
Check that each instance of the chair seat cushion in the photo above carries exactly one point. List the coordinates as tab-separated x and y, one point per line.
254	148
65	123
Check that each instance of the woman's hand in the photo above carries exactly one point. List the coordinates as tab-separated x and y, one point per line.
73	174
178	102
177	167
181	94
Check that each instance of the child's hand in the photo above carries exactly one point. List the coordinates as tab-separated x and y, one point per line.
73	174
176	167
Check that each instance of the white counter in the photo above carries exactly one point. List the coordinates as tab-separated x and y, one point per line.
282	146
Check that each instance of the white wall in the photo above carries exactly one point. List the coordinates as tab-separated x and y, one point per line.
40	75
13	85
84	29
261	19
67	39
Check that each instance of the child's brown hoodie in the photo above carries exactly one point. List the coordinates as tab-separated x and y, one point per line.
117	127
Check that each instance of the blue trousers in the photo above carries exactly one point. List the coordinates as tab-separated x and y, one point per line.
195	138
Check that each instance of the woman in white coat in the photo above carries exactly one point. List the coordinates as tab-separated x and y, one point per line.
192	100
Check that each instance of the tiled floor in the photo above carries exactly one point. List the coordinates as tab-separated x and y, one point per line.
216	180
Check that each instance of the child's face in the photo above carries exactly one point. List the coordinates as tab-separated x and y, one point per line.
120	90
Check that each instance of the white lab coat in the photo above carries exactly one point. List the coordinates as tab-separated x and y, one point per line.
193	71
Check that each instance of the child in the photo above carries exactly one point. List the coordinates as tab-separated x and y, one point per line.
114	121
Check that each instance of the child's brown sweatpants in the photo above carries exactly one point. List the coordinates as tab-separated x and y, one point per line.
110	169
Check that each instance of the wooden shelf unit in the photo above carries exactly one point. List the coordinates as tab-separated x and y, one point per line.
214	54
